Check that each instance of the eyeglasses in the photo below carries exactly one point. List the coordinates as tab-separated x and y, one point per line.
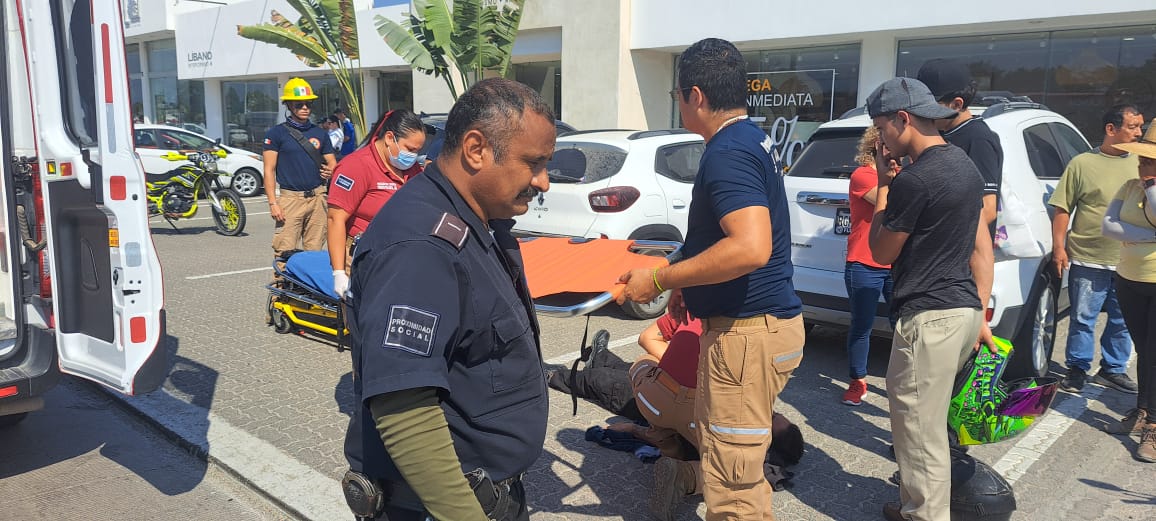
301	105
675	94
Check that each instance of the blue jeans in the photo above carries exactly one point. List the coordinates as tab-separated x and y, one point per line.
864	285
1090	291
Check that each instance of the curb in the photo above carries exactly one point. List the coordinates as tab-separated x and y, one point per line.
287	483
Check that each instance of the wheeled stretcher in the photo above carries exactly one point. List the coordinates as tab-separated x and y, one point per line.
567	278
303	298
586	270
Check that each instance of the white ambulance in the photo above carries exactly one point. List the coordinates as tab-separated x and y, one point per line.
80	282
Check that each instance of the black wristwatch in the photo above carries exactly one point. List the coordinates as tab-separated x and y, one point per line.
1149	181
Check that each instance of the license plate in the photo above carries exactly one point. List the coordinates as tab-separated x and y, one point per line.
842	221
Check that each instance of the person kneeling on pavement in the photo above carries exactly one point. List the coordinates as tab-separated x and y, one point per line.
662	384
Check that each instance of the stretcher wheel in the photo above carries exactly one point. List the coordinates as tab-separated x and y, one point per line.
281	322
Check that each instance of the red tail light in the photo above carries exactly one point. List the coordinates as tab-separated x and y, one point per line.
989	314
38	198
614	199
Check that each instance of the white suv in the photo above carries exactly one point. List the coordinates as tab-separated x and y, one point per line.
618	184
1037	144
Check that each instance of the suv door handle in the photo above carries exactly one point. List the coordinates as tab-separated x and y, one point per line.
678	204
823	199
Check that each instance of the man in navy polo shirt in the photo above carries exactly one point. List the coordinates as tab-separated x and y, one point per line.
299	158
737	279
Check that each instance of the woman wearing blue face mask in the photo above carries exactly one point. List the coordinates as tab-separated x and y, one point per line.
364	180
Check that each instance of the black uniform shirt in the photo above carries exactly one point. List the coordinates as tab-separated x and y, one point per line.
440	302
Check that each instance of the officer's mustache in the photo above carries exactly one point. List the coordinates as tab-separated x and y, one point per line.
528	193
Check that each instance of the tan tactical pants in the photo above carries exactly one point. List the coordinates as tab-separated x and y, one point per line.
927	351
304	224
743	365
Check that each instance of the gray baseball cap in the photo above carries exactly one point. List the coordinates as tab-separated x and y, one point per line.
906	94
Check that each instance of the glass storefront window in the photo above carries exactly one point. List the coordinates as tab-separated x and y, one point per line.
135	94
251	108
544	77
395	90
162	56
1077	73
178	103
790	92
132	56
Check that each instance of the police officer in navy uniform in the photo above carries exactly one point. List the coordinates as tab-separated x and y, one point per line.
451	399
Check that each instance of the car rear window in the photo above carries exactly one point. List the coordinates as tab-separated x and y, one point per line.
584	162
829	155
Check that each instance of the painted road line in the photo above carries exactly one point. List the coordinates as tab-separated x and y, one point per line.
1013	465
296	487
247	213
225	273
571	356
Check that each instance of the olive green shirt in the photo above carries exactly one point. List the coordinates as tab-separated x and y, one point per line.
1089	183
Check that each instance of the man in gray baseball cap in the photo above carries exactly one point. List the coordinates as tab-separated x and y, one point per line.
927	227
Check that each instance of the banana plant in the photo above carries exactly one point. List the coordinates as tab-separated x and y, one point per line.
458	45
325	35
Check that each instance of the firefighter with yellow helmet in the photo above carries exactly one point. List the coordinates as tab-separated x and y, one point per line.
299	158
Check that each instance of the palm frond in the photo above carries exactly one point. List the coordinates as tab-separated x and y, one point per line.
292	39
404	43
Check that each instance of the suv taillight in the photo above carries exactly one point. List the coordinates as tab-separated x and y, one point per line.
613	199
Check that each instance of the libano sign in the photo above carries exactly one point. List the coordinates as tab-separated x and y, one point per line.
790	105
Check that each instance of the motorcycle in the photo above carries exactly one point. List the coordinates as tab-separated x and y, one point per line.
174	194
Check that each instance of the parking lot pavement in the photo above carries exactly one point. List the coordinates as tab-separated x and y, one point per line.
289	397
83	457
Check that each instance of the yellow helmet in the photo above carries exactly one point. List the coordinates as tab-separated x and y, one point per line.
297	89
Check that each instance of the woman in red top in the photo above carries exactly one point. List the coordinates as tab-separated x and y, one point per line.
364	180
866	279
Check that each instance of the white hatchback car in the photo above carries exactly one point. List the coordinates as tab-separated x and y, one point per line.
243	170
618	184
1037	144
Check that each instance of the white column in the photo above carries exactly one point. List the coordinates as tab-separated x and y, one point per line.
214	109
430	95
370	98
876	63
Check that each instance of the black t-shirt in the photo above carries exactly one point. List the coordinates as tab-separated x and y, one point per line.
937	200
981	145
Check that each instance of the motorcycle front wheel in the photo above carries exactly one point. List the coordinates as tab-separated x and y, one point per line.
231	221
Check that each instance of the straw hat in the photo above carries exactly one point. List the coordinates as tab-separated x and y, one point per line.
1146	147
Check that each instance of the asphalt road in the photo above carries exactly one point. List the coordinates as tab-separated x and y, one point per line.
83	457
274	408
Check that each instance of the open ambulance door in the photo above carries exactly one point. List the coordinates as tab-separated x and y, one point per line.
105	278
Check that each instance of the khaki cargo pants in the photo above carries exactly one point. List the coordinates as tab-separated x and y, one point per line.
743	365
304	222
927	351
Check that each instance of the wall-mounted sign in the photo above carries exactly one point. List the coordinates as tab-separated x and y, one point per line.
131	13
790	105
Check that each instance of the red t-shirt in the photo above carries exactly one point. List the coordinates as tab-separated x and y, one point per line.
863	179
680	360
361	185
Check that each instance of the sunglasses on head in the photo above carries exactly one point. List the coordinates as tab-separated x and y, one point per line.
298	105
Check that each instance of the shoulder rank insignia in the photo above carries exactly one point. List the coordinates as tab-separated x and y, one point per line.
452	229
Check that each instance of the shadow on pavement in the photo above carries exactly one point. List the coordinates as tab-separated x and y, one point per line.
77	420
1133	498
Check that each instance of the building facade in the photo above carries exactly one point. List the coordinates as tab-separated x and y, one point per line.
611	63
